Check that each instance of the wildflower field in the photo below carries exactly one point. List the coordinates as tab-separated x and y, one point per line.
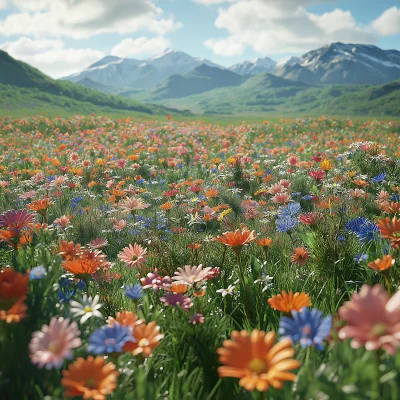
184	260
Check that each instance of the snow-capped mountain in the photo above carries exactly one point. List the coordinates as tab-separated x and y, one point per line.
340	63
121	73
255	67
290	60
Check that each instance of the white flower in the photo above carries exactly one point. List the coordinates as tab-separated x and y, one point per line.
228	290
87	308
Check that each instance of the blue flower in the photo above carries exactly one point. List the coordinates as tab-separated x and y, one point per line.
134	292
37	272
109	339
378	178
364	229
307	197
308	327
286	224
291	210
361	257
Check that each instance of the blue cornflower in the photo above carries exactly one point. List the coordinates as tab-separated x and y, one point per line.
291	210
361	257
134	292
110	339
37	272
67	296
307	197
364	229
378	178
286	224
308	327
341	238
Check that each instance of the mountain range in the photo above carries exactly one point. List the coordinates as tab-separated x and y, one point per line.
24	88
339	78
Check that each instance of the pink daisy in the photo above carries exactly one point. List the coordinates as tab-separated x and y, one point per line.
177	299
373	320
191	275
133	255
54	343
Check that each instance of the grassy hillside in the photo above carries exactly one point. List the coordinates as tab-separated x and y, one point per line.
22	86
263	94
200	80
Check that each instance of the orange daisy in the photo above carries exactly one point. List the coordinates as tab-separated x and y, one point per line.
390	229
287	302
40	206
300	255
382	265
257	361
125	318
265	242
237	239
147	339
91	378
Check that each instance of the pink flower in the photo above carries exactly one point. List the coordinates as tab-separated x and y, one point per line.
118	225
285	183
156	282
133	204
276	188
191	275
177	299
318	174
54	343
196	319
373	320
281	198
16	219
98	243
133	255
62	222
293	160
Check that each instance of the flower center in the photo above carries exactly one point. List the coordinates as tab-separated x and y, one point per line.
54	347
258	366
379	329
396	234
134	257
306	330
90	383
110	341
143	342
88	309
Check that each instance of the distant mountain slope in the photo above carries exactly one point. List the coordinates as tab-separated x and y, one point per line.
340	63
124	73
94	85
201	79
259	66
267	93
21	84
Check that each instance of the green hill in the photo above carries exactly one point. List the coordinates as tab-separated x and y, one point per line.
268	93
200	80
25	87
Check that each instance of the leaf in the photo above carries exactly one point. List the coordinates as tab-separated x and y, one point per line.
255	268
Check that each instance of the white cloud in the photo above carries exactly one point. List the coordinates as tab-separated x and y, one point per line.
50	56
389	22
3	4
283	26
230	46
141	46
212	2
83	19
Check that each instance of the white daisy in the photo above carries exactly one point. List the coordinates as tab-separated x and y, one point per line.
87	308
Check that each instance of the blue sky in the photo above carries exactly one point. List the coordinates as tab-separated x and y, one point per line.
64	36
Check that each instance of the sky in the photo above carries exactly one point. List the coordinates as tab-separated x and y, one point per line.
61	37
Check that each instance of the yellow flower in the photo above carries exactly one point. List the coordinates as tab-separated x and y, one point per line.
224	214
326	165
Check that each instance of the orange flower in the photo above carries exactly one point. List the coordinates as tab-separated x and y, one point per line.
91	378
390	229
125	318
13	285
382	265
69	250
15	313
236	239
179	288
257	361
211	193
194	246
166	206
87	263
265	242
147	339
287	302
300	255
40	206
13	290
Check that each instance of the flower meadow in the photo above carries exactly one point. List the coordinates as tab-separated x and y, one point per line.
185	260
